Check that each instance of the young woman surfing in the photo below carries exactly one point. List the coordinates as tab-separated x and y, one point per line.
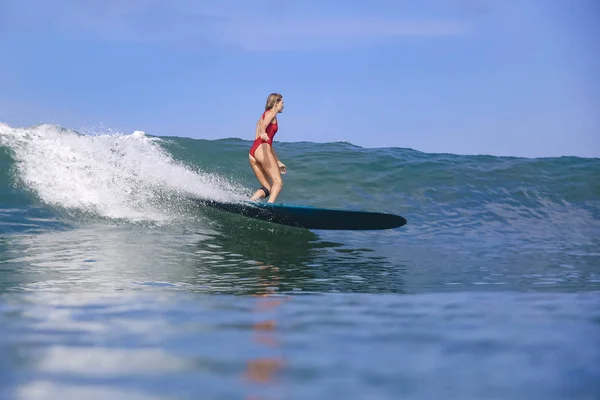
263	159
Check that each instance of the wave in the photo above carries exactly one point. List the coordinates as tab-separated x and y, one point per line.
123	176
139	177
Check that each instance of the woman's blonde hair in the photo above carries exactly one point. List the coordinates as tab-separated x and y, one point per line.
273	99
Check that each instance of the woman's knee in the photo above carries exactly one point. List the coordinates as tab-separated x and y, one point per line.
277	181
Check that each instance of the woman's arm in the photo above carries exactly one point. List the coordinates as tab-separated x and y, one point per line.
282	167
261	125
257	133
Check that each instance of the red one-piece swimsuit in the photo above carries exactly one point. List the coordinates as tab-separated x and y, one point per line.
271	131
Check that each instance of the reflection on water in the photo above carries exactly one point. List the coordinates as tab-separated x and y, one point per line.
267	346
304	261
256	260
229	259
255	311
264	370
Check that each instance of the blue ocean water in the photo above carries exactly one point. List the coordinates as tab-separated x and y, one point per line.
112	286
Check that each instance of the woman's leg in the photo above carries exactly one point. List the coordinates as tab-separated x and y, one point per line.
267	161
261	175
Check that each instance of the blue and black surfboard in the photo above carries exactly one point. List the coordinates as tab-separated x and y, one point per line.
309	217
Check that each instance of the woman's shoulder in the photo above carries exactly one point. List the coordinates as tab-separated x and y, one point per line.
270	114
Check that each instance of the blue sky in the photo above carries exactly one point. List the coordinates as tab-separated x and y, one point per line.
497	77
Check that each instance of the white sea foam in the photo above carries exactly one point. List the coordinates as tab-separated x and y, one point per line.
113	175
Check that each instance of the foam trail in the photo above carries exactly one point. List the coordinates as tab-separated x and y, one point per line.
116	176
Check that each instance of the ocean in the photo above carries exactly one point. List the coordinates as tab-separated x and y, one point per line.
112	286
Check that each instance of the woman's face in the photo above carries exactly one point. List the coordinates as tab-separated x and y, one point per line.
279	106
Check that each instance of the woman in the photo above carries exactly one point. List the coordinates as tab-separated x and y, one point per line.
263	159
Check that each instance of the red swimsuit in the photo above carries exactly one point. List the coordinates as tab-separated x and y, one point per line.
271	131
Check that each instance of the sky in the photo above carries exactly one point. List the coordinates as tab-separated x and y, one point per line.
499	77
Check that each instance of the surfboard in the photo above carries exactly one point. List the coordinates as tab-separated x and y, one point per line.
309	217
